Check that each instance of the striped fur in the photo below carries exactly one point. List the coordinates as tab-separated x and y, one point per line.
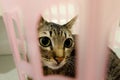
113	72
59	56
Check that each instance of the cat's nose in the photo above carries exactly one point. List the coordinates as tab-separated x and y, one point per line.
59	59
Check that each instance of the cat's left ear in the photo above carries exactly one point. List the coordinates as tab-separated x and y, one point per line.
70	23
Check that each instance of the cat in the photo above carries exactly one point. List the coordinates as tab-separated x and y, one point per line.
113	68
57	47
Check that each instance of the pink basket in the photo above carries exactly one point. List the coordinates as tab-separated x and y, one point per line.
94	25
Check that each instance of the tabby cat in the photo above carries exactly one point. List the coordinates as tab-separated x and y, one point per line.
113	71
57	46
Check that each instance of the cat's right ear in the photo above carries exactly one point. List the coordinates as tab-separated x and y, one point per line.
41	21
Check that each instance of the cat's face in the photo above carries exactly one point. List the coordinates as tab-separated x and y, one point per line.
56	43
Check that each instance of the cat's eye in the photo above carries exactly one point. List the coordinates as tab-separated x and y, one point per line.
68	43
44	41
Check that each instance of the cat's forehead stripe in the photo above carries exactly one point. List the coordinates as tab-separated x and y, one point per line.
55	32
53	29
44	32
50	32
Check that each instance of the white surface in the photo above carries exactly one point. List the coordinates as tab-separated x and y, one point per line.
12	75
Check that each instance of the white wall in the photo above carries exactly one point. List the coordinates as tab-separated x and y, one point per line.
0	11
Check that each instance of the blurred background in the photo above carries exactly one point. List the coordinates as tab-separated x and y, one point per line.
7	66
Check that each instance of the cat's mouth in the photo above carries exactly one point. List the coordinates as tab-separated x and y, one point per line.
53	64
56	66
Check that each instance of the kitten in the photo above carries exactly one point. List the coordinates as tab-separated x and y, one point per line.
57	46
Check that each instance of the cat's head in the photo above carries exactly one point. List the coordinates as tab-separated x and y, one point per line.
56	42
